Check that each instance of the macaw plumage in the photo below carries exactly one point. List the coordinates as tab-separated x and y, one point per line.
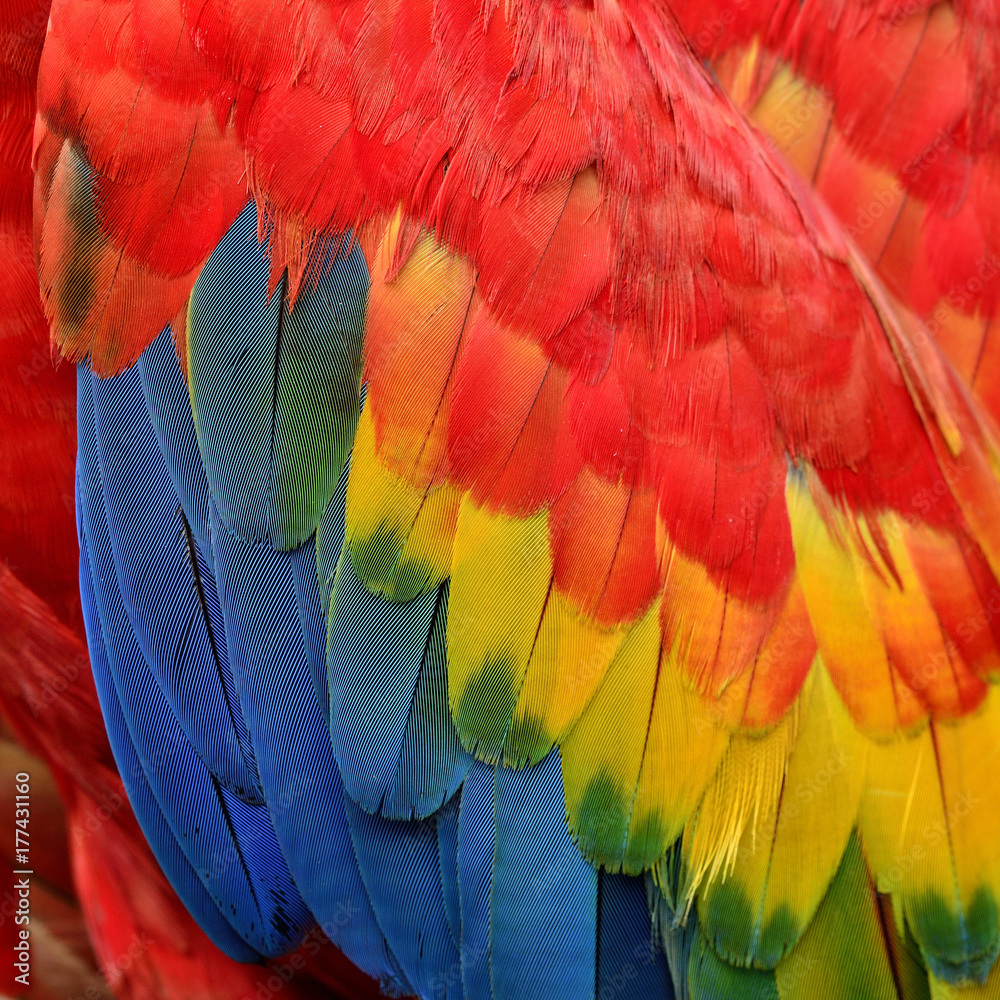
537	480
146	944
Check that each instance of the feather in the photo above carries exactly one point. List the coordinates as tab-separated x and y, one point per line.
629	959
96	298
686	455
710	978
170	413
500	578
628	795
878	612
400	519
166	587
329	545
400	537
929	828
446	820
943	990
230	844
421	303
676	926
510	441
528	899
127	94
298	771
844	950
157	831
312	614
771	872
274	392
395	742
399	860
909	969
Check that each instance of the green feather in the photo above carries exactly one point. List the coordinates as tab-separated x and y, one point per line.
845	952
710	978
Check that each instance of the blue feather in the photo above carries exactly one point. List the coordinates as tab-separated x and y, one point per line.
274	393
399	865
166	587
528	898
447	832
298	771
311	619
169	408
392	731
629	962
154	826
230	844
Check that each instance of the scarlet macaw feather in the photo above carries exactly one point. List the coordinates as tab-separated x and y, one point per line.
672	430
228	841
155	827
169	590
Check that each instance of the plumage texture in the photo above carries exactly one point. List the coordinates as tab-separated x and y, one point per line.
228	841
400	861
154	825
529	900
169	591
272	474
145	944
395	742
669	541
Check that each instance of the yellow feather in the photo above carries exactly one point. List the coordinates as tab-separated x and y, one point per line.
761	894
930	827
501	578
638	759
830	565
968	761
744	792
819	805
568	662
844	951
400	537
797	118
